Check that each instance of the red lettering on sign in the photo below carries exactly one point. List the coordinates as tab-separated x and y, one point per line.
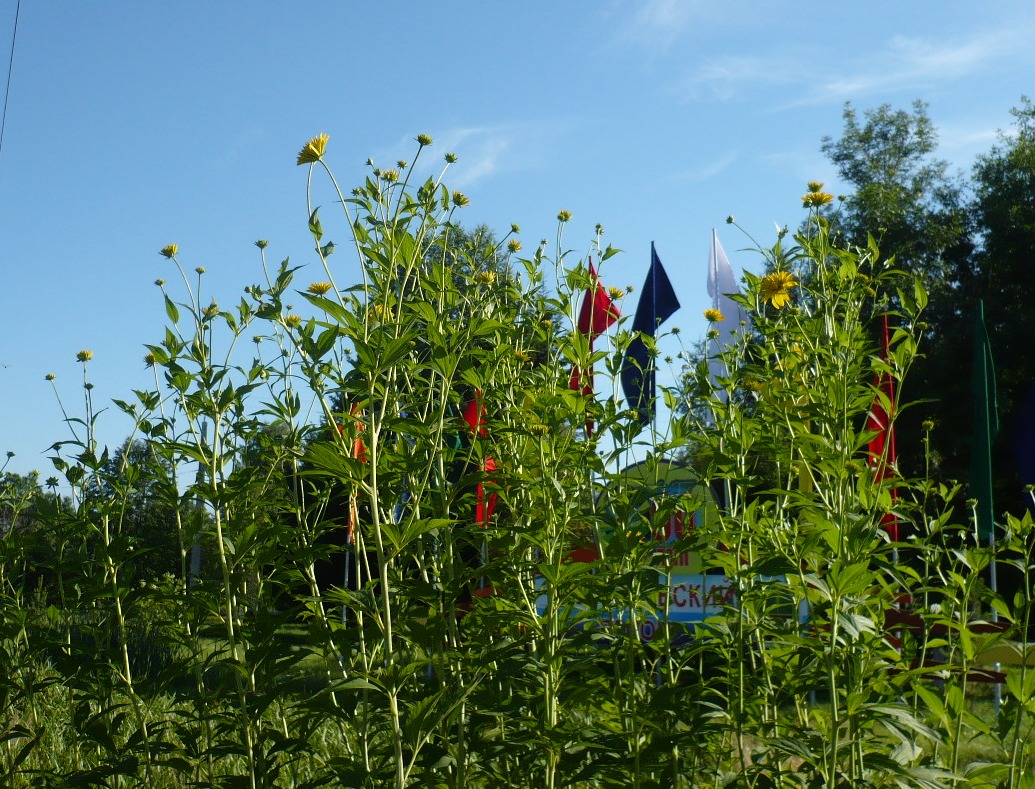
679	600
694	595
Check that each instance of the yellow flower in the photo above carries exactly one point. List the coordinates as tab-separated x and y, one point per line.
538	429
423	139
615	293
50	376
313	150
816	199
450	158
210	310
262	243
84	356
149	360
170	250
293	321
815	186
486	277
753	384
390	176
513	245
460	199
564	216
713	315
776	288
319	288
522	356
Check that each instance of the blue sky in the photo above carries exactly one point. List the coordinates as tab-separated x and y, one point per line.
133	125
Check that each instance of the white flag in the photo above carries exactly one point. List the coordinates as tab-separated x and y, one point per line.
721	285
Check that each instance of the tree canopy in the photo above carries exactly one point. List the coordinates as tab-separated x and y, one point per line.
970	239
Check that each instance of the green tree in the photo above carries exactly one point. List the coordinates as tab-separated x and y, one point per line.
19	529
902	193
920	217
141	479
1003	275
996	268
968	240
1004	214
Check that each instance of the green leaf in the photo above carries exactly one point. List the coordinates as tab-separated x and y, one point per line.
314	225
332	308
919	293
172	310
772	567
933	701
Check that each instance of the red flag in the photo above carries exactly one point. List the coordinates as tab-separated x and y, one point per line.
474	415
882	453
359	452
597	315
599	312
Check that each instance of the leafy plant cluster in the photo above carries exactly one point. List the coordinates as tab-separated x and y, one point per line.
385	498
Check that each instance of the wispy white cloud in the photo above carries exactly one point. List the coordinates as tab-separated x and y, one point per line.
484	152
660	22
722	78
962	142
914	63
710	169
655	25
805	163
901	64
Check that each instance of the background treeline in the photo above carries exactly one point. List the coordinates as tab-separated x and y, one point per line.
969	237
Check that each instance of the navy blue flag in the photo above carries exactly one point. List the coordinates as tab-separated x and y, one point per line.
657	303
1024	446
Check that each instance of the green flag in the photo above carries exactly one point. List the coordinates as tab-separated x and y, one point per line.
986	425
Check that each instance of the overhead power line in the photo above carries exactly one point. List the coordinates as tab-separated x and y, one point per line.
10	69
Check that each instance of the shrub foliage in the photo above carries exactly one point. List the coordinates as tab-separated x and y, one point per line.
376	502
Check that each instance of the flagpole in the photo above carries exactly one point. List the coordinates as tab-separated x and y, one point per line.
985	428
654	356
592	318
713	266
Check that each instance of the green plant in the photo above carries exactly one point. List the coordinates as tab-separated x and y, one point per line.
385	489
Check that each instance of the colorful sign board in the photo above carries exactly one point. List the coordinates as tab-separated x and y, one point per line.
693	592
688	592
